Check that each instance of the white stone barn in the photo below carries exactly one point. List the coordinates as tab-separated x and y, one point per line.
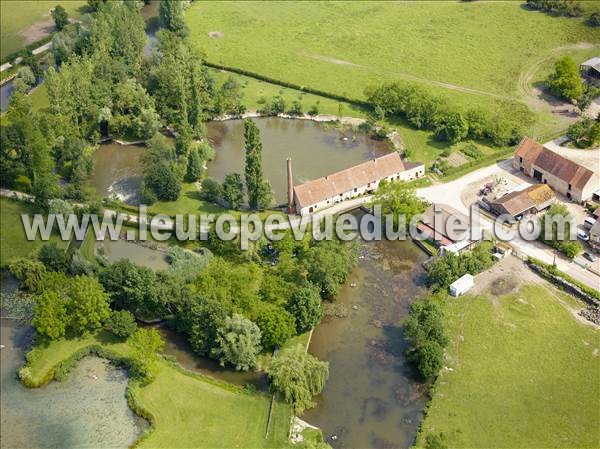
574	181
352	182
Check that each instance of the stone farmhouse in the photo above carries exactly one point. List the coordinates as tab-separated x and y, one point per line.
574	181
350	183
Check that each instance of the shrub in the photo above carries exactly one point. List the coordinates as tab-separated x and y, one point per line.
594	19
472	151
296	108
53	257
60	16
426	337
122	324
211	190
29	273
187	264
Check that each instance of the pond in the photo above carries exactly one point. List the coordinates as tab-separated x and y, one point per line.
88	409
115	250
6	91
316	149
118	171
371	398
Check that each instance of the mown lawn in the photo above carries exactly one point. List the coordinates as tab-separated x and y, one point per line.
190	410
195	413
473	53
13	241
17	16
189	202
525	373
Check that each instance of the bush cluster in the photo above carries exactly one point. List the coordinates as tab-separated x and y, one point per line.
569	8
448	268
424	331
426	111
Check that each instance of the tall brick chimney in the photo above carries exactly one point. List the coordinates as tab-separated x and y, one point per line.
290	181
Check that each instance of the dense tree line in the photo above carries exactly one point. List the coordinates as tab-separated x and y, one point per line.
424	331
105	85
423	110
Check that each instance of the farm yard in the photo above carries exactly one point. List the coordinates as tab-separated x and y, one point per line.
471	53
521	370
24	23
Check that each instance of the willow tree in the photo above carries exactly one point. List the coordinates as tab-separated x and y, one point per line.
259	189
298	376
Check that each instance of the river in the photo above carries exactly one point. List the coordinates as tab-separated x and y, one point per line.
371	399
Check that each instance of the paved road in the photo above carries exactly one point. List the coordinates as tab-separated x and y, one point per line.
450	193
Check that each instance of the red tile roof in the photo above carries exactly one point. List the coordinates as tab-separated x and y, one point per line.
553	163
321	189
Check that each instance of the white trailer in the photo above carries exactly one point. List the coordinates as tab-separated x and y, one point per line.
462	285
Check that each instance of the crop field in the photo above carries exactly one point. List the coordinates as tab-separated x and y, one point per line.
521	371
25	22
473	53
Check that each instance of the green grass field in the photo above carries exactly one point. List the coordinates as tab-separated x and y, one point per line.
473	53
189	410
525	373
18	18
13	241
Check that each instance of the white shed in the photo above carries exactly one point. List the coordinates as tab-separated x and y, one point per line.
462	285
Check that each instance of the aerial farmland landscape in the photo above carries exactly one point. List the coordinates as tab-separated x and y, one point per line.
292	224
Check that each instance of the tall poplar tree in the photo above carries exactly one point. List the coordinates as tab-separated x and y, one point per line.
259	190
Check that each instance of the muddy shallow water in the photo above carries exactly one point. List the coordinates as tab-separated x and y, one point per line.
371	399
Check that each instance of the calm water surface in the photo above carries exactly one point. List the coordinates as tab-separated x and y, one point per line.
88	410
315	150
118	171
371	399
140	255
